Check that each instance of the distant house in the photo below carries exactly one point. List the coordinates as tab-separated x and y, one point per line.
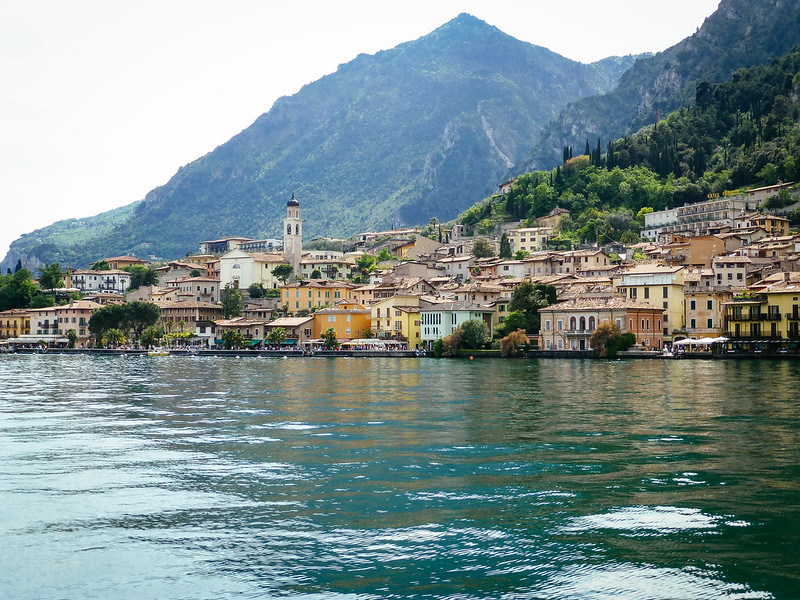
569	325
120	262
298	329
438	320
89	281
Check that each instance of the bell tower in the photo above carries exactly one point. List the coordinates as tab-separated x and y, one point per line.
293	236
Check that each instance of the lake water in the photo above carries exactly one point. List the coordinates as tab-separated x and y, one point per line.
187	477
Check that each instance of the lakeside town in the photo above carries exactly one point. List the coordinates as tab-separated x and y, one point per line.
714	275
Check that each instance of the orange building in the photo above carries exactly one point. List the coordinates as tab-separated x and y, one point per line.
348	319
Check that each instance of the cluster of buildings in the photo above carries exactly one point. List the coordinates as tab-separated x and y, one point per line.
739	280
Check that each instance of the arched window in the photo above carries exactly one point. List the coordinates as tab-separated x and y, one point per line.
591	323
289	229
297	229
583	323
572	323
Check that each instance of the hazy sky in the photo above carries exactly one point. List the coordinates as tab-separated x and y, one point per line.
104	100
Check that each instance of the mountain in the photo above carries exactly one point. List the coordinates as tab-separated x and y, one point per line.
740	34
421	130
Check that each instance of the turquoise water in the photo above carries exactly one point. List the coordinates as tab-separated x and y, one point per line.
186	477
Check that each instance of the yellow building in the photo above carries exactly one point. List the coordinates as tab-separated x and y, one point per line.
397	318
14	323
768	313
348	319
661	287
75	316
315	293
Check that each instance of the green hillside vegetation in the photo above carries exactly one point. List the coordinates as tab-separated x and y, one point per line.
63	241
740	34
741	133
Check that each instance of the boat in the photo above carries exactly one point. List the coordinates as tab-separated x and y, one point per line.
158	352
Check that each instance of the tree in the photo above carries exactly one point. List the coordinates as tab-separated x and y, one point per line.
100	265
17	290
474	333
42	301
515	320
195	273
18	267
276	336
232	303
283	272
510	345
601	338
521	254
141	276
316	274
366	263
72	338
329	337
51	277
105	318
528	298
150	336
114	337
481	248
141	315
452	343
384	255
256	290
232	339
505	247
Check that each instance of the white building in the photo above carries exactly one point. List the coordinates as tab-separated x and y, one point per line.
438	320
242	269
89	281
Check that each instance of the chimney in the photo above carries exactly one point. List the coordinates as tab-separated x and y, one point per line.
787	277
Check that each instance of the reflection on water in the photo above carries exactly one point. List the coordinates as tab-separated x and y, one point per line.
188	477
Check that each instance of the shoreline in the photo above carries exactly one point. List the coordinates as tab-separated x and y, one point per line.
532	354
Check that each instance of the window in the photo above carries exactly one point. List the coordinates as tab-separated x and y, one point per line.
665	291
710	305
710	324
692	305
547	325
572	323
560	324
692	324
646	293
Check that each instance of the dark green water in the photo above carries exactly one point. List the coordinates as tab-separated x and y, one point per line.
316	478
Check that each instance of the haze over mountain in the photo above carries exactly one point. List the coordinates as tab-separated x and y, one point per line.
421	130
740	34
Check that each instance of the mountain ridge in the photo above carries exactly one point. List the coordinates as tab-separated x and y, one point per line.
425	128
